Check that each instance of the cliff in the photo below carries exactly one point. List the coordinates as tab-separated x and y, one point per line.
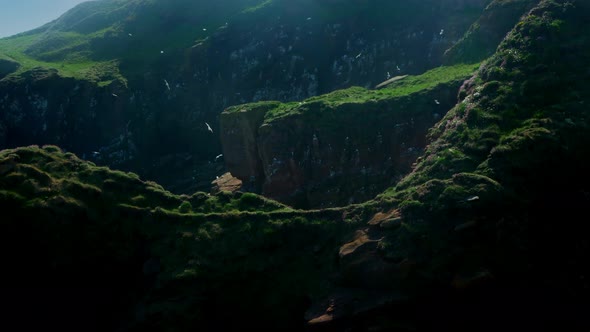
341	148
144	77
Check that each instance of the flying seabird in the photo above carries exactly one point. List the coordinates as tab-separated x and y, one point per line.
437	102
209	127
114	95
167	85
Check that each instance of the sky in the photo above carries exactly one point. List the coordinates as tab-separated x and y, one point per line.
23	15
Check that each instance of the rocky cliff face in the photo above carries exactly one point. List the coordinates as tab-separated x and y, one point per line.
325	152
484	234
149	111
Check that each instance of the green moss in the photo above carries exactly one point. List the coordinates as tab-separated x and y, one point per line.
35	173
52	148
185	207
78	189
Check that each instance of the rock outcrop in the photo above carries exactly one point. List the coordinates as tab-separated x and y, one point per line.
337	149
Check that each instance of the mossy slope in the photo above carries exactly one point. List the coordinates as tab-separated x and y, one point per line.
180	258
497	193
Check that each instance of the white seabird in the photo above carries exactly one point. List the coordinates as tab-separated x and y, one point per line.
209	127
167	85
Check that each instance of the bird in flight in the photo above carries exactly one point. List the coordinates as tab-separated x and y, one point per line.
209	127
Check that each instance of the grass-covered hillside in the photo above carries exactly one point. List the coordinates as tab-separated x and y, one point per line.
71	225
495	201
95	38
487	233
106	40
357	95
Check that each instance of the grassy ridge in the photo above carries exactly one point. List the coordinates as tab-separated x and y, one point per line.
92	224
358	95
51	172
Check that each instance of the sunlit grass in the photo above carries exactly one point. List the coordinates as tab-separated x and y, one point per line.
113	40
359	95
